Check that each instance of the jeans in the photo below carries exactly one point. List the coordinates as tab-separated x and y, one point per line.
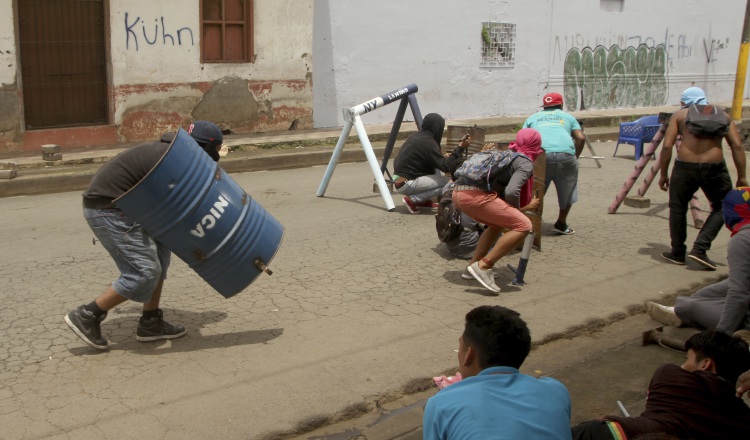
687	177
142	261
424	188
562	168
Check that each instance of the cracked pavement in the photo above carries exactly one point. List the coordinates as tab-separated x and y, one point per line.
363	306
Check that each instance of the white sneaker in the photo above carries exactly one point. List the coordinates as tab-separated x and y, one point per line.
484	277
468	276
663	314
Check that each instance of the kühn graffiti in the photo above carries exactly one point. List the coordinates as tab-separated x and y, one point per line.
160	30
614	77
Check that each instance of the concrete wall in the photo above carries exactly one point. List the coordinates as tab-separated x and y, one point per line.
10	123
157	82
643	56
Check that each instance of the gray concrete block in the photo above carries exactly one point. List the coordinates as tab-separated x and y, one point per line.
8	165
52	156
637	202
8	174
50	149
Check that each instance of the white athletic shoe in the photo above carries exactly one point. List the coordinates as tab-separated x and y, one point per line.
468	276
663	314
484	277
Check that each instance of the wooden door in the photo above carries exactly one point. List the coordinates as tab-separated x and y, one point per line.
63	62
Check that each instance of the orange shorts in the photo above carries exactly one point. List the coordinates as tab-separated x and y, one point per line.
486	207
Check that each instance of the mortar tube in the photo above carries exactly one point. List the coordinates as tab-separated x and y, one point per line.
523	261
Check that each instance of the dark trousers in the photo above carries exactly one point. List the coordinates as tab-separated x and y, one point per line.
686	179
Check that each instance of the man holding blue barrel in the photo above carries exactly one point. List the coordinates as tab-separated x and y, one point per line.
142	261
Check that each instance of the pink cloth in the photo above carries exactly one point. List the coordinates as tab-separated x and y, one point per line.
486	207
442	381
529	143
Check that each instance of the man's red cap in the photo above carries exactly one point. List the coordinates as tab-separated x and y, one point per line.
552	99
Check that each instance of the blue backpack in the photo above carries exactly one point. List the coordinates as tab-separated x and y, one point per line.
481	168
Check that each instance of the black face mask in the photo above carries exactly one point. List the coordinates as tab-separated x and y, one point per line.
212	151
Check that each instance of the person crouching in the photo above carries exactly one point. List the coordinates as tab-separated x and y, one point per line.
500	208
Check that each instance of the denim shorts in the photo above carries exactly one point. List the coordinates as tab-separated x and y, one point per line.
562	168
142	261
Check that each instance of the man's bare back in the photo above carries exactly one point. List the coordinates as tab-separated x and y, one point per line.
695	149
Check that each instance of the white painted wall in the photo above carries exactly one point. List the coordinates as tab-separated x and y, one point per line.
363	49
8	49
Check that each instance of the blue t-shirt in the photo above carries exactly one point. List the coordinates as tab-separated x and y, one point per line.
499	403
555	126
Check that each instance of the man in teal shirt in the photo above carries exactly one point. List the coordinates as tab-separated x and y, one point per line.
562	140
494	400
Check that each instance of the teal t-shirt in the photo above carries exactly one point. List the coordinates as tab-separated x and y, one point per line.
555	126
500	403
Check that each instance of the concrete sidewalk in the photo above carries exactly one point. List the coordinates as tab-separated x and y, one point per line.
365	306
283	150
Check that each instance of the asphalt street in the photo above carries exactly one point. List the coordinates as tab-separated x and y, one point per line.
364	306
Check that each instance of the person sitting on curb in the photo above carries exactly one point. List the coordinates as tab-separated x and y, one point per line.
724	306
500	208
494	400
563	141
418	165
696	400
141	260
699	164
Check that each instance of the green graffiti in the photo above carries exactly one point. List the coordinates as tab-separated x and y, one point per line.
607	78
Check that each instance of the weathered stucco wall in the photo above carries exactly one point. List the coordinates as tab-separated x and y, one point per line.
645	55
159	82
10	119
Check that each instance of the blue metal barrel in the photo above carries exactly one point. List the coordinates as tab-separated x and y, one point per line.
188	203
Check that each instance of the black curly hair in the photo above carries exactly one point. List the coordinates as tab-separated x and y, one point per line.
498	335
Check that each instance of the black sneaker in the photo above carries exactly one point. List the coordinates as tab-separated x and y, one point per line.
153	329
674	258
87	326
701	258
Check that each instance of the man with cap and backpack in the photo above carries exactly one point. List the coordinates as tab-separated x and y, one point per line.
563	141
141	260
699	164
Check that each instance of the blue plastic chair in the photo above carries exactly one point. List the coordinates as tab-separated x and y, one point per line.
638	133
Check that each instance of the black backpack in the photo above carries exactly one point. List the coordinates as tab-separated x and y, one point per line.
706	121
448	221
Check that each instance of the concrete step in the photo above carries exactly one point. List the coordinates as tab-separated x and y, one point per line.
284	150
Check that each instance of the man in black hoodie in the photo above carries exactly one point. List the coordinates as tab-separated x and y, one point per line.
419	162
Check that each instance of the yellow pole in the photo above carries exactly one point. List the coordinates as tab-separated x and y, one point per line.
739	80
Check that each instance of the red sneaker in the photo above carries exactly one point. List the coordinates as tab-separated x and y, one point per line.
411	206
428	204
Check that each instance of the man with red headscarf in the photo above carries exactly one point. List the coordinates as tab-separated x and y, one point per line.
500	207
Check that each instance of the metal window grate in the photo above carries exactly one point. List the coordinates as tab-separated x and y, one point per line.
498	44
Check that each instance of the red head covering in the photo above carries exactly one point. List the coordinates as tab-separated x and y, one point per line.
528	142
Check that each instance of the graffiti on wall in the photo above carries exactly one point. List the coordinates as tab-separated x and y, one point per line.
616	69
613	77
138	30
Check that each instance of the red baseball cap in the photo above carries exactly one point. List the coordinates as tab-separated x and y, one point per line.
552	99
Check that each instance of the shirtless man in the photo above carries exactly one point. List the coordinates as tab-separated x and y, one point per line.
699	164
